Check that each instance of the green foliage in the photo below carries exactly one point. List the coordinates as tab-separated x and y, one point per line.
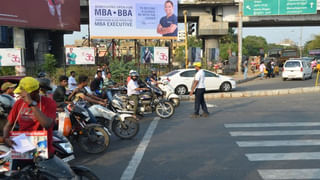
120	69
253	44
49	65
313	44
226	47
7	70
194	42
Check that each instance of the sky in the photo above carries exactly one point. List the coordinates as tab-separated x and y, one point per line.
271	34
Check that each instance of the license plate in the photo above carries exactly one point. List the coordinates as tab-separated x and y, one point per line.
69	158
292	76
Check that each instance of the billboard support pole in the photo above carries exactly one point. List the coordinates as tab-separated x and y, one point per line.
240	37
135	51
185	12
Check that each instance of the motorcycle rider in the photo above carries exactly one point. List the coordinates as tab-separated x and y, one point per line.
7	100
153	78
32	112
133	92
97	84
59	95
108	83
81	97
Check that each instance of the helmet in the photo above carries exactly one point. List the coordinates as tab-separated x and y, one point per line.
41	74
44	83
134	74
132	71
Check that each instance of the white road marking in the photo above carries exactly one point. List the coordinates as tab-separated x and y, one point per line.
275	133
131	169
211	105
271	174
283	156
284	124
307	142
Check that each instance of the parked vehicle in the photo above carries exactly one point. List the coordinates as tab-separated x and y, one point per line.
122	125
169	92
181	80
92	138
296	69
149	101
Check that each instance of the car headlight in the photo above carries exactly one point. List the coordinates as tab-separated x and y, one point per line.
67	147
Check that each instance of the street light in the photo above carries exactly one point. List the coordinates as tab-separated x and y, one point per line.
185	12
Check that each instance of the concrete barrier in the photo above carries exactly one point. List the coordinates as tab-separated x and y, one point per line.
259	93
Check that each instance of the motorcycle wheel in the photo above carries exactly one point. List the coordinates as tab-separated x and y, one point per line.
84	173
127	129
165	109
94	140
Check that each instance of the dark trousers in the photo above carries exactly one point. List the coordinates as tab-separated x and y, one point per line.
199	93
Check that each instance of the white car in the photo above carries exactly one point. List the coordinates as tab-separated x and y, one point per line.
181	80
296	69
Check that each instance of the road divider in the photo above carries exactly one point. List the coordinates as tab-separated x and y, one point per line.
274	92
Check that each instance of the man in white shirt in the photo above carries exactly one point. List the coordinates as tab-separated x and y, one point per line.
72	83
133	91
261	68
198	87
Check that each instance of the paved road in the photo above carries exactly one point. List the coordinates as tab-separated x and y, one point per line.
275	83
225	146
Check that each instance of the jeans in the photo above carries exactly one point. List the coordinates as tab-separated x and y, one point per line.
199	100
262	75
245	72
109	95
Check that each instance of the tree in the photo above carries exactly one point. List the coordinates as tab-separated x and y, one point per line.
313	44
228	44
253	44
49	65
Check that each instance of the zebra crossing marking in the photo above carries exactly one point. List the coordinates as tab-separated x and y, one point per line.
270	174
282	124
275	133
283	156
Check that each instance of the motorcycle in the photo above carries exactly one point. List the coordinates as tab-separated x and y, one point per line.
169	92
53	168
92	138
122	125
148	102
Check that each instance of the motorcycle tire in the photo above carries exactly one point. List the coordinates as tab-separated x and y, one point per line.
128	129
94	139
84	173
162	113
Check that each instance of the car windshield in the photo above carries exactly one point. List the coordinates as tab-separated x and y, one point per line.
292	64
171	73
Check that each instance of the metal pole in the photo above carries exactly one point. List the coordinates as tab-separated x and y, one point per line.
301	42
185	12
240	38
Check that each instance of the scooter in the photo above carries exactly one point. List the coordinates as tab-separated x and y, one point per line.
169	92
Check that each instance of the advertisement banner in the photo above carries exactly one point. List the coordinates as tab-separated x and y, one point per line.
146	55
133	19
80	56
42	14
10	57
161	55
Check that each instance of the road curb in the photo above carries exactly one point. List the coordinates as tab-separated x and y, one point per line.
259	93
248	79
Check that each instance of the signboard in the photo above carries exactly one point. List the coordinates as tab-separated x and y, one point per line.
279	7
133	19
154	55
10	57
80	56
44	14
161	55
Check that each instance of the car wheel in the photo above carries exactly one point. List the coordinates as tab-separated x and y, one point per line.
283	79
303	78
311	75
225	87
181	90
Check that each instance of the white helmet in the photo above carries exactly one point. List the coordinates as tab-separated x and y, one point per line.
132	71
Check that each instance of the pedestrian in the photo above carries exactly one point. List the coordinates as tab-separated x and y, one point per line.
245	66
269	69
261	68
198	87
72	83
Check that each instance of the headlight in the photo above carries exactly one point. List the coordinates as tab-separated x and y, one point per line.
67	147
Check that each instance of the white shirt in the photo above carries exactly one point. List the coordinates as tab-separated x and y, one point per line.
262	67
71	81
132	85
200	77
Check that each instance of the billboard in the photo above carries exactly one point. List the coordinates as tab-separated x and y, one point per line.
80	56
154	55
133	19
41	14
10	57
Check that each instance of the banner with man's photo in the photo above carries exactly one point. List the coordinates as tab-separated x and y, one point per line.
133	19
80	56
10	57
154	55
